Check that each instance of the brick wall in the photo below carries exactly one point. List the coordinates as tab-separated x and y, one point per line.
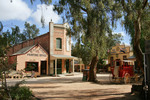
12	59
43	40
58	33
61	33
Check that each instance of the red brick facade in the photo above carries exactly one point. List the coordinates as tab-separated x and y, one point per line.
43	40
48	42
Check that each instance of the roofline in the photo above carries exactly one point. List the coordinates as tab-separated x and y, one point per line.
43	49
31	49
29	39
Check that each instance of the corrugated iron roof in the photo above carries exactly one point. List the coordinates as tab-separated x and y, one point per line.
23	50
63	57
132	57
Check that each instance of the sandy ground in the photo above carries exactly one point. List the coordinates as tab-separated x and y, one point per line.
73	88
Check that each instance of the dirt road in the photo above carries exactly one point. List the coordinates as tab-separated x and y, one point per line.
73	88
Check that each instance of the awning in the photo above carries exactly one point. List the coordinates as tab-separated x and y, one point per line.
52	57
132	57
127	60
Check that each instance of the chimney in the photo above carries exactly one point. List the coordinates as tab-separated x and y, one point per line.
51	32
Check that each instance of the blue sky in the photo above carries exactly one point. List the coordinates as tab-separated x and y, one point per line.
19	11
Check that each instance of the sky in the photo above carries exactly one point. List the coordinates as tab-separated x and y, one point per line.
18	12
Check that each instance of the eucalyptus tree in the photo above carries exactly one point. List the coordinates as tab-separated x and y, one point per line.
82	48
30	31
91	18
4	63
134	15
15	35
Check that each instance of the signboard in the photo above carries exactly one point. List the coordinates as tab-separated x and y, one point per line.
37	52
37	55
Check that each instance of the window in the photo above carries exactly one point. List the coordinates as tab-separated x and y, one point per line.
117	63
67	43
124	57
32	66
58	43
117	49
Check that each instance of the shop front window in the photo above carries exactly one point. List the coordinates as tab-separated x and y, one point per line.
32	66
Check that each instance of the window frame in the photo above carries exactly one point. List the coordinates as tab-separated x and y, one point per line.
32	62
60	46
124	57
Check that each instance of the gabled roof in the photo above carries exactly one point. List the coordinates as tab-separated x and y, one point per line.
23	50
26	49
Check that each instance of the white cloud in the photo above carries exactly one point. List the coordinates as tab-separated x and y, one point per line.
122	33
15	10
48	14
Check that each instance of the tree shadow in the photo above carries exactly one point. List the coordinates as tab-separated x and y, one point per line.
101	94
56	80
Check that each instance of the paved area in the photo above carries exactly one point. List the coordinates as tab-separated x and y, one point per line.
68	87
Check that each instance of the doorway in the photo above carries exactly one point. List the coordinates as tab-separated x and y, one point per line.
67	65
59	66
117	62
43	67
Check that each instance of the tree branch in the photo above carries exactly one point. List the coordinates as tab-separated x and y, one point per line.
80	7
144	3
123	4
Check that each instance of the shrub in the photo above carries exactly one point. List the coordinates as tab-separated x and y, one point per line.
16	92
3	94
20	93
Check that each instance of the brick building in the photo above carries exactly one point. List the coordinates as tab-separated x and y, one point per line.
48	54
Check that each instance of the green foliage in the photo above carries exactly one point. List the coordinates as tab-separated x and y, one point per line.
113	39
31	66
30	31
5	64
137	13
42	1
4	43
20	93
13	37
82	51
16	92
3	94
82	48
90	19
1	26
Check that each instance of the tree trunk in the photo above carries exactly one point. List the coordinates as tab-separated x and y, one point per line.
136	46
5	82
92	73
2	80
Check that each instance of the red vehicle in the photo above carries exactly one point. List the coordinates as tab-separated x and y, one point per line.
122	70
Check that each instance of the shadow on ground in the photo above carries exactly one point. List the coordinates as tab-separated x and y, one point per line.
99	94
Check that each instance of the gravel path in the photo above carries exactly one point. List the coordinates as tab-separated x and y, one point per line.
73	88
